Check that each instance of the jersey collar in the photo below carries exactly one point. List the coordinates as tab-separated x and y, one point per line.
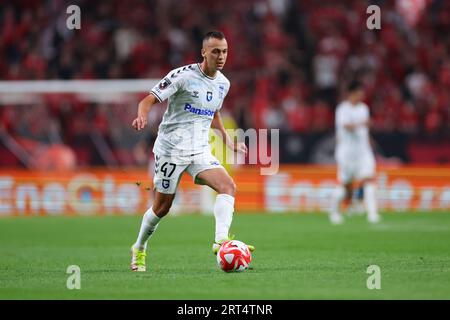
200	68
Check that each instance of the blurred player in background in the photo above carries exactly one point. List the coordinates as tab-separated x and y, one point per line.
354	155
356	205
196	93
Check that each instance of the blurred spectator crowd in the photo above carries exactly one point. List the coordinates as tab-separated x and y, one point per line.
289	61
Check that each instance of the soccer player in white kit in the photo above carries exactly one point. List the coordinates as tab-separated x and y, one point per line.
195	95
354	156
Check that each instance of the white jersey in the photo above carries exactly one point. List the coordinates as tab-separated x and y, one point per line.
194	98
352	144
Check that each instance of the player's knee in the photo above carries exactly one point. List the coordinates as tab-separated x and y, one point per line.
161	209
368	180
228	187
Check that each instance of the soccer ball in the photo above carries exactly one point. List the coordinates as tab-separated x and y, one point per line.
234	255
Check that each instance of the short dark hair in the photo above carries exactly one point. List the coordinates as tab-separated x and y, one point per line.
354	85
214	34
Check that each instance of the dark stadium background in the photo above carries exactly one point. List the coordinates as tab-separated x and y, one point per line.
288	63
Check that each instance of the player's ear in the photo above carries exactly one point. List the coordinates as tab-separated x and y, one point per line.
203	52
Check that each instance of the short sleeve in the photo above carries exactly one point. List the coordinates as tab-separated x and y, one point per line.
223	94
365	114
342	117
168	86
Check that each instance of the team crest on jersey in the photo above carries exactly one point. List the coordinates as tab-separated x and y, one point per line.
165	183
164	83
209	96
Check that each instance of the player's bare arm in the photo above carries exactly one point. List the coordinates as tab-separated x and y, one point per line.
217	123
353	126
350	126
143	109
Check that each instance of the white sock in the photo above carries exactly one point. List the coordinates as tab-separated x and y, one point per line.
223	212
148	226
370	200
338	197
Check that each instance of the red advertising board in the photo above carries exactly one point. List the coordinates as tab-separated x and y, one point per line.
292	189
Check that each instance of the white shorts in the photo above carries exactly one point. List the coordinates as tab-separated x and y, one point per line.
169	169
355	168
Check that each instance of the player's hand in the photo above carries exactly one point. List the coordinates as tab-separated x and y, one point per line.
139	123
241	148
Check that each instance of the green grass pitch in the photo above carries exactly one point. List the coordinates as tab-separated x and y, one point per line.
298	256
